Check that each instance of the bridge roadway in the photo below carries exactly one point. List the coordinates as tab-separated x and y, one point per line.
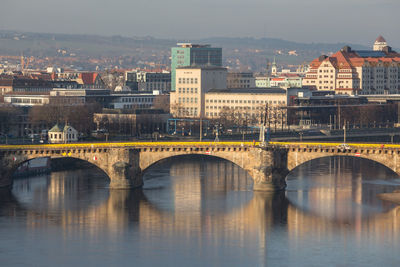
124	163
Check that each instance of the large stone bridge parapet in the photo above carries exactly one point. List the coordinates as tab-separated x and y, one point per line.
124	163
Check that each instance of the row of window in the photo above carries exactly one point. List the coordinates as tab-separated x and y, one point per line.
59	136
137	99
26	100
241	108
188	111
188	80
157	85
246	101
187	100
215	114
238	81
187	90
325	71
137	106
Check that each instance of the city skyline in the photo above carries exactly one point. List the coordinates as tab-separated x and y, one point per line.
307	21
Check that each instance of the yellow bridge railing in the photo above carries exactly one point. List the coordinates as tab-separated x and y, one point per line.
189	144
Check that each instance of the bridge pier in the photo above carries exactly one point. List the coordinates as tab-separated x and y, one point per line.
123	169
270	179
124	176
270	172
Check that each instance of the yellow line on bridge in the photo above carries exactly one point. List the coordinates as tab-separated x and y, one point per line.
128	144
190	143
358	145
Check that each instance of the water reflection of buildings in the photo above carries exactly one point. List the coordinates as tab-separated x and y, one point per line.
344	204
211	204
338	189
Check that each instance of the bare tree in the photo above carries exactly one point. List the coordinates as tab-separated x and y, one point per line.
79	116
162	102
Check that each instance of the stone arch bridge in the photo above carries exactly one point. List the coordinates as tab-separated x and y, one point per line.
124	163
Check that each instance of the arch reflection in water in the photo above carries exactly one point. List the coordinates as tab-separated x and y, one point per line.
197	184
178	219
341	188
64	190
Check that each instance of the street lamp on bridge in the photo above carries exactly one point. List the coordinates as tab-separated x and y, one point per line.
31	133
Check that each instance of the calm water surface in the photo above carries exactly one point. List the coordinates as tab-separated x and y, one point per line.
203	212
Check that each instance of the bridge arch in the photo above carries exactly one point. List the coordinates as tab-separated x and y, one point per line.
19	161
146	164
264	165
198	156
343	157
387	158
113	162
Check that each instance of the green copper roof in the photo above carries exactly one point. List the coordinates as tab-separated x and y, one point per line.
56	128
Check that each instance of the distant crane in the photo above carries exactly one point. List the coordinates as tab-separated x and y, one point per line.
25	62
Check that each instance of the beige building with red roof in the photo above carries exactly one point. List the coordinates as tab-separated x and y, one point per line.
357	71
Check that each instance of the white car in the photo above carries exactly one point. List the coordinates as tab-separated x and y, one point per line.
344	147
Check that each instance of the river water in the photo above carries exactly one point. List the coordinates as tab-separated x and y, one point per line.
199	211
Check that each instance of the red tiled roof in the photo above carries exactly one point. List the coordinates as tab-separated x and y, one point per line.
88	77
349	60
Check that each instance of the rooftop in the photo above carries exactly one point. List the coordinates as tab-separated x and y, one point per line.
346	58
203	67
369	53
248	91
192	45
380	39
59	128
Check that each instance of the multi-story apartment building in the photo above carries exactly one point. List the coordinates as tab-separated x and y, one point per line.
132	101
283	81
240	80
187	54
192	83
27	100
131	80
357	71
286	81
247	101
24	85
149	81
262	81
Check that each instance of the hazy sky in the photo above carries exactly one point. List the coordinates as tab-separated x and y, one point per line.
350	21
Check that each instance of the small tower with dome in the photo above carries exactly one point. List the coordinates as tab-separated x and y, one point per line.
274	68
380	43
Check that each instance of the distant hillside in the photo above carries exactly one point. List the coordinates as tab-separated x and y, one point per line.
239	53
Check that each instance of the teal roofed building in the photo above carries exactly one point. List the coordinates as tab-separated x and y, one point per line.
61	133
187	54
